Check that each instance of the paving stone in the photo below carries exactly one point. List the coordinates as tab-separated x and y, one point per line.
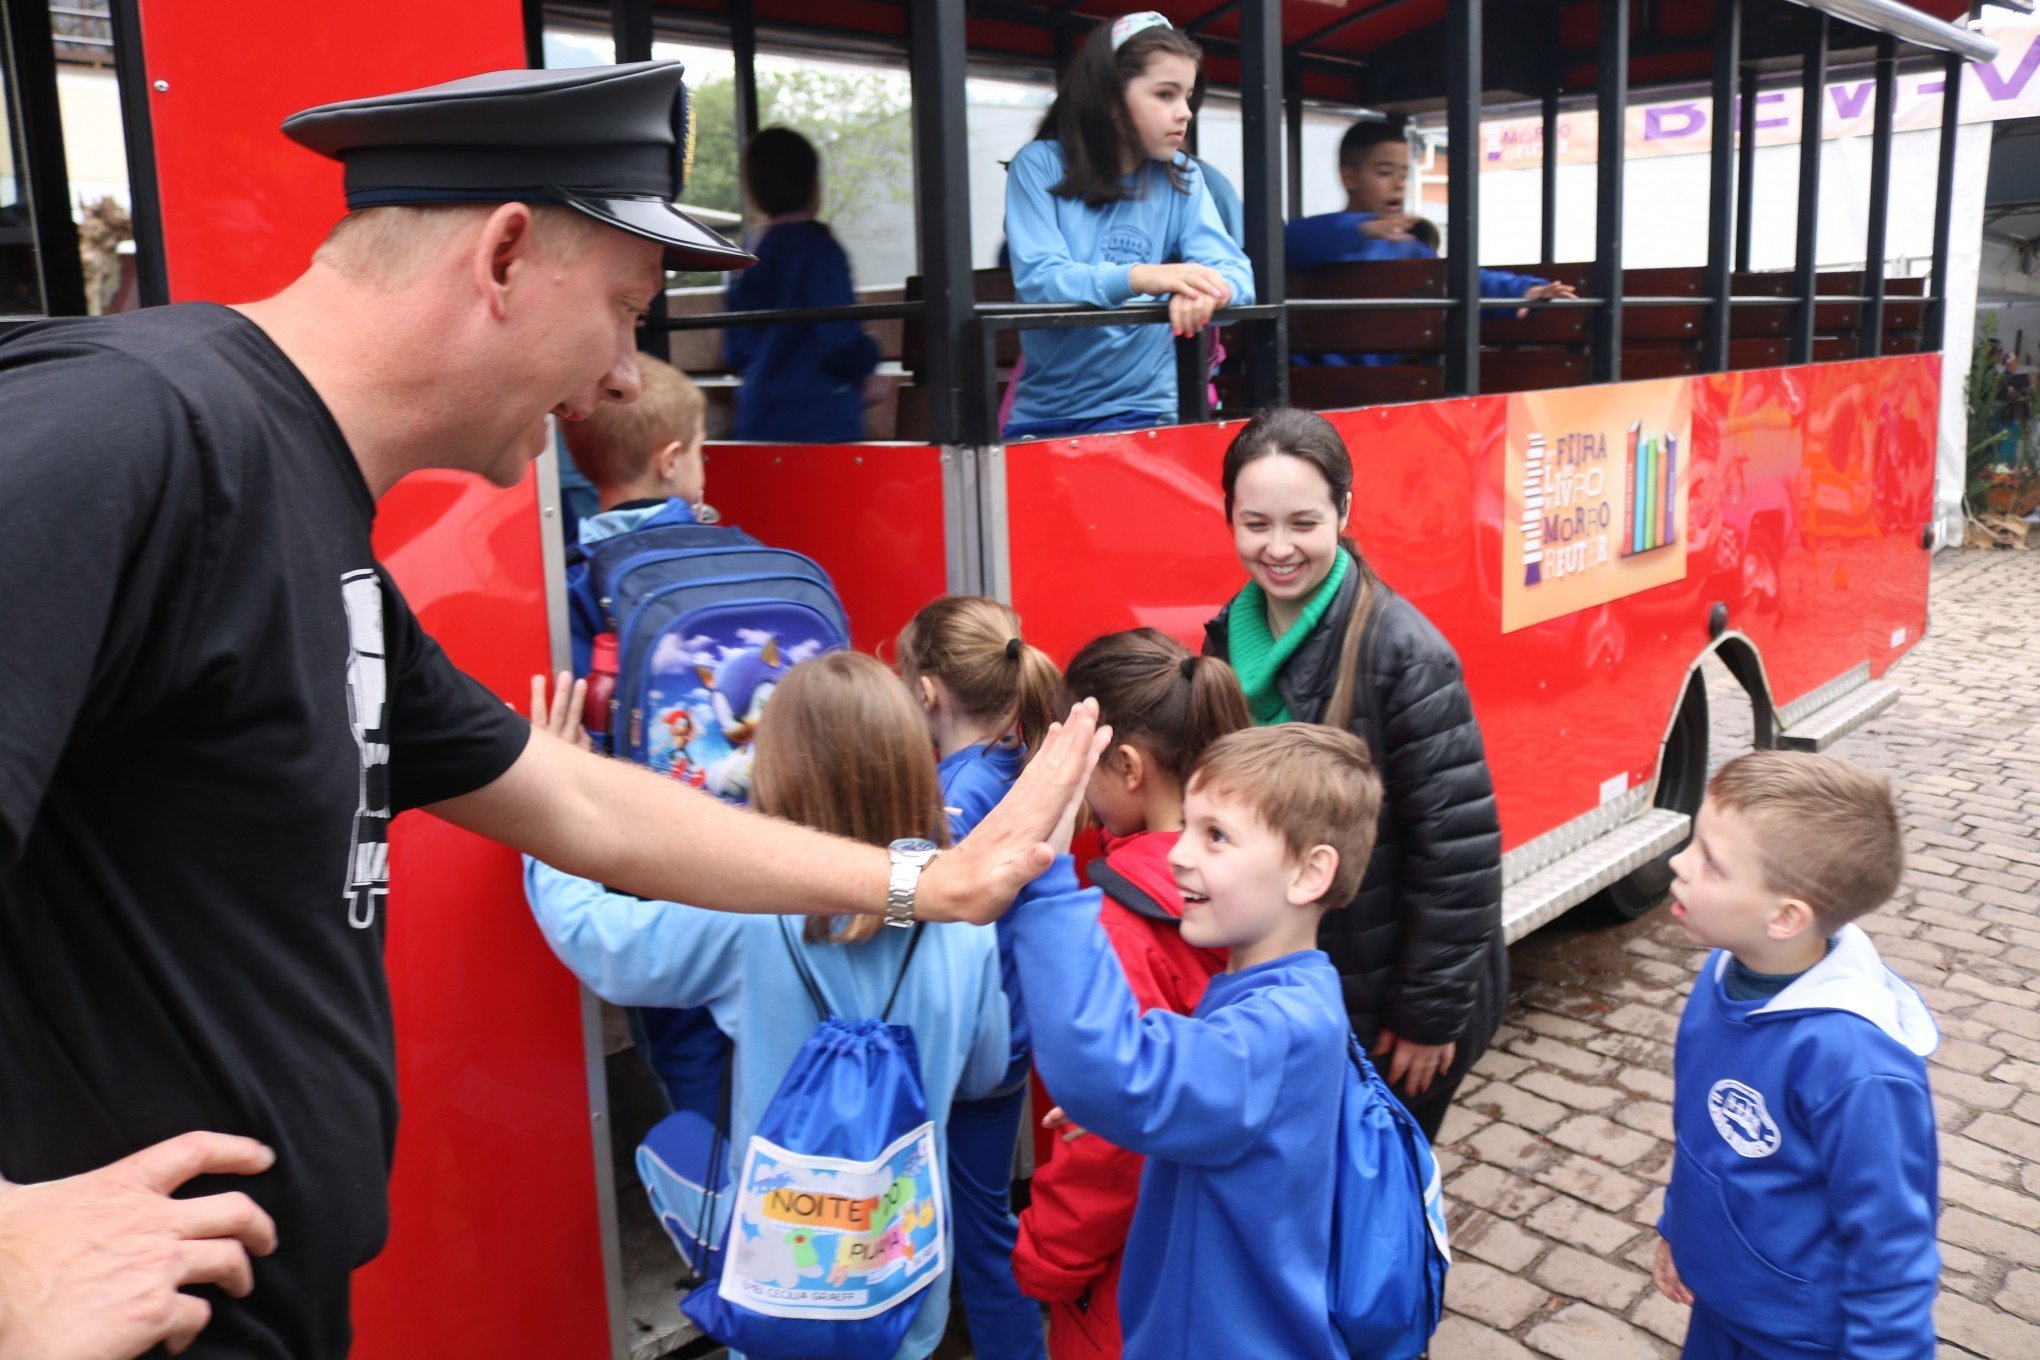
1601	1186
2015	1136
1487	1295
1495	1240
1610	1142
1655	1023
1580	1331
1579	1095
1577	1275
1660	1316
1984	1330
1497	1191
2021	1294
1460	1122
1506	1145
1508	1101
1571	1223
1635	1051
1459	1338
1975	1059
1555	1026
1966	1228
1499	1066
1658	1086
1647	1210
1996	1201
1982	1093
1653	1117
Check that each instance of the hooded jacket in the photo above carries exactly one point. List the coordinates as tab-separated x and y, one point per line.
1073	1235
1802	1202
1420	948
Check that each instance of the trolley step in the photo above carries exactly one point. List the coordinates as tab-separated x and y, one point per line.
1827	725
1570	881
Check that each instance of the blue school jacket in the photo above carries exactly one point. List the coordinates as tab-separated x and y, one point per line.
973	781
635	952
1802	1201
802	384
1236	1108
1335	238
1066	251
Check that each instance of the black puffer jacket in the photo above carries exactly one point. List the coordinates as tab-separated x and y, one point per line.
1420	948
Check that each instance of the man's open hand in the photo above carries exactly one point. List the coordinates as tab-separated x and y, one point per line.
1005	852
91	1267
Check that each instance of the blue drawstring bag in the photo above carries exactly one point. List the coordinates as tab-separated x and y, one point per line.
837	1223
1389	1253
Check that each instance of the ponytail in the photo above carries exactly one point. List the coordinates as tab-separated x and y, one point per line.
1158	696
1352	644
972	645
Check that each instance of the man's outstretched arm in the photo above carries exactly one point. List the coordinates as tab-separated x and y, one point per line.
624	826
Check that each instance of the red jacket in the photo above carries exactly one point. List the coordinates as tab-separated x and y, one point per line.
1083	1196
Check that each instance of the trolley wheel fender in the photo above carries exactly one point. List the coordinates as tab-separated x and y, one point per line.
1681	784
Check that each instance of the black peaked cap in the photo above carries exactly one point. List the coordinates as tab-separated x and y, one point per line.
611	141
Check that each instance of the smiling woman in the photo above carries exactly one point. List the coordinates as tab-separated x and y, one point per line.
1316	637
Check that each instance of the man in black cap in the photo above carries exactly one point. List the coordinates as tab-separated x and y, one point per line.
217	699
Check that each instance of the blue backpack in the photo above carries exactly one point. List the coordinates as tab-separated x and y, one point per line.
707	621
837	1219
1389	1253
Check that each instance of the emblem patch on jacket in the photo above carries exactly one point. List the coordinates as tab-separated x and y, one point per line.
1740	1117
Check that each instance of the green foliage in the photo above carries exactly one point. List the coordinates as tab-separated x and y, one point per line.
860	126
1981	396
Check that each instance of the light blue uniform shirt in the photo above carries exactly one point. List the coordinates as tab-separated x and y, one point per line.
634	952
1066	251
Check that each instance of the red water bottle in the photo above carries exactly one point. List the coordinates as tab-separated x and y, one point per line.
596	708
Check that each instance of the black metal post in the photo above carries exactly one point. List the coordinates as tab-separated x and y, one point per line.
1193	378
145	203
1612	100
959	411
1261	118
1292	76
1944	198
630	27
1462	214
534	34
1812	97
1880	196
60	270
1721	185
744	51
1745	166
1549	170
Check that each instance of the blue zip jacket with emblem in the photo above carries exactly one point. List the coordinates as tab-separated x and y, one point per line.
1802	1202
1236	1108
973	781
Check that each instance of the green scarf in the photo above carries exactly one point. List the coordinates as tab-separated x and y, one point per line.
1258	656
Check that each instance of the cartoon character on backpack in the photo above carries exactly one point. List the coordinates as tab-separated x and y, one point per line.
738	687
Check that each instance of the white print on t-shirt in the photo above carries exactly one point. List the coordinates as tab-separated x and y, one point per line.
1740	1118
368	857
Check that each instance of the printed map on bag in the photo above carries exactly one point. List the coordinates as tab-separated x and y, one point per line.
822	1237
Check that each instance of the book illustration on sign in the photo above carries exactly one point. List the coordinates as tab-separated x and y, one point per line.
1650	487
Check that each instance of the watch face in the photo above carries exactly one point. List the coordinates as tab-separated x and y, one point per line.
914	847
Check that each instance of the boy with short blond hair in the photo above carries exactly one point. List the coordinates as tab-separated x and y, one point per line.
1236	1106
1799	1223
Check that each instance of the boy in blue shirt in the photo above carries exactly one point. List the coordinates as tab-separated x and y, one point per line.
1374	167
1799	1223
802	384
1235	1106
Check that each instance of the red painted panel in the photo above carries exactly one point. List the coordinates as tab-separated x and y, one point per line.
1810	489
495	1245
243	206
871	514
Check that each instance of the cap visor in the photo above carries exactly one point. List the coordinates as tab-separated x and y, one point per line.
689	244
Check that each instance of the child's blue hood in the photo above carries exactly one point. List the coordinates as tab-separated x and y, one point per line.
1853	978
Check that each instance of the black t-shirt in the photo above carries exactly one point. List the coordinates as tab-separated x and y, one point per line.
214	701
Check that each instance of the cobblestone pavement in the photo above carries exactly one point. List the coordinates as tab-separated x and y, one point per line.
1557	1151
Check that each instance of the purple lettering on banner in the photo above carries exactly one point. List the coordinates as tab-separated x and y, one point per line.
2001	88
1848	103
1673	120
1932	86
1775	97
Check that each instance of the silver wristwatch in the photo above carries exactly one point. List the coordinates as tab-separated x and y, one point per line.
909	858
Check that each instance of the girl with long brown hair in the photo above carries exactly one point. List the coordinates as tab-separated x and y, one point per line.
842	749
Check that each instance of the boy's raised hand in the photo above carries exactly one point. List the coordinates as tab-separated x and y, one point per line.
1007	850
1392	227
1547	290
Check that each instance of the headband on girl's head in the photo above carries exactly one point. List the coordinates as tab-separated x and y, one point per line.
1126	25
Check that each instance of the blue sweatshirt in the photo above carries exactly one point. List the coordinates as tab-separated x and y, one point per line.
1066	251
802	384
1235	1112
973	781
1336	238
635	952
1802	1202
